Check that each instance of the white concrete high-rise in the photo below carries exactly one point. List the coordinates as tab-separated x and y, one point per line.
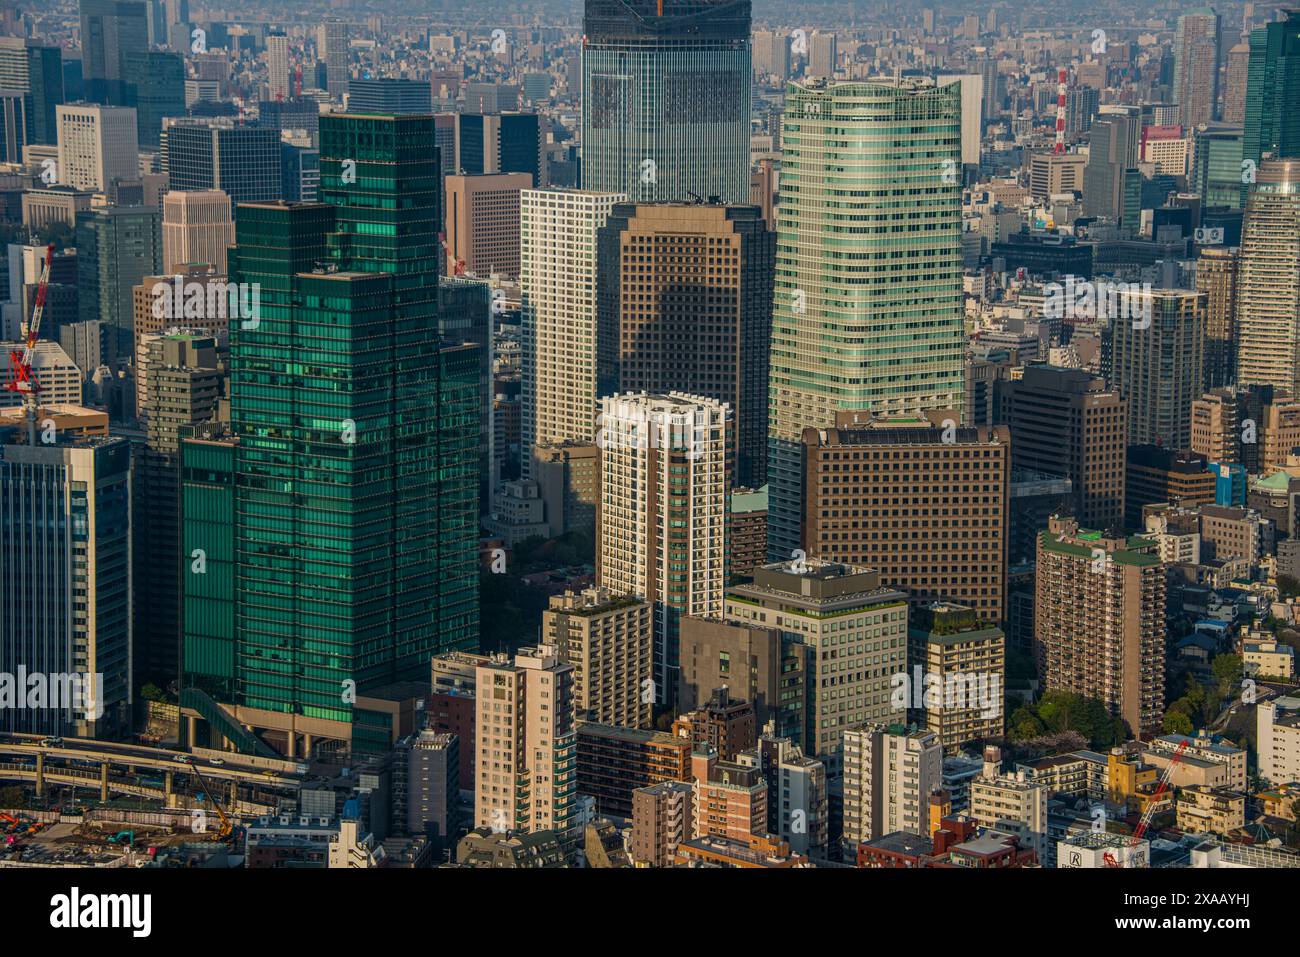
97	144
1268	280
557	279
662	531
889	773
277	66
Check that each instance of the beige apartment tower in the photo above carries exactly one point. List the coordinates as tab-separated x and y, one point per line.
197	227
527	762
557	280
1156	362
889	774
1268	280
664	511
609	641
1099	620
1216	279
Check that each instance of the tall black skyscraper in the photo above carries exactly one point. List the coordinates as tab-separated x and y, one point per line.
111	32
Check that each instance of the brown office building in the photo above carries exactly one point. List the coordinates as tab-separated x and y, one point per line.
723	723
614	762
748	529
684	304
1216	277
921	501
482	222
663	816
1155	475
1099	620
756	663
1066	422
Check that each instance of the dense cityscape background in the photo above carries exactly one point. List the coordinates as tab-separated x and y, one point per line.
649	434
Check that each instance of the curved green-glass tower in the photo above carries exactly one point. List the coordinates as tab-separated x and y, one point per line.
868	300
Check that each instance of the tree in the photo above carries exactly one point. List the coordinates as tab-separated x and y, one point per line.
1227	671
1177	722
1287	586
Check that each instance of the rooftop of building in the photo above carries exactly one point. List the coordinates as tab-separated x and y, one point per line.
609	732
901	842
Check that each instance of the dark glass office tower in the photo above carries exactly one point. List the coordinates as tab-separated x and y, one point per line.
1273	90
117	246
666	98
390	95
36	71
499	143
352	477
242	160
155	86
111	32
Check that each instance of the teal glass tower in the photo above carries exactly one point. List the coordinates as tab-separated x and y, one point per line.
868	309
1273	91
352	476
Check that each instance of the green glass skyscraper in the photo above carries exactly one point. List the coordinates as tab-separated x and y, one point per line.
868	301
1273	90
353	479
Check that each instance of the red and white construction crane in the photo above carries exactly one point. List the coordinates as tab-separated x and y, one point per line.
21	380
1150	812
457	266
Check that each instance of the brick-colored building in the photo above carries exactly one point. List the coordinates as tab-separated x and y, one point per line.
730	798
923	501
613	762
1099	620
724	723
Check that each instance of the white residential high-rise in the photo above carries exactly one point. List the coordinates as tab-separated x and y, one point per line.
526	772
1011	802
557	277
277	66
335	42
1278	726
97	144
889	773
664	511
197	228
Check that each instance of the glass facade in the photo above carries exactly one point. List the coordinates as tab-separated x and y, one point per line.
1216	166
666	99
868	299
353	480
1272	90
